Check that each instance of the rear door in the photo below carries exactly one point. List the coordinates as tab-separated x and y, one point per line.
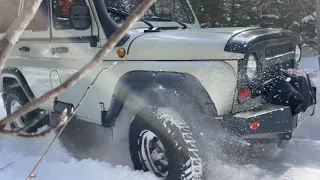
72	50
31	54
35	49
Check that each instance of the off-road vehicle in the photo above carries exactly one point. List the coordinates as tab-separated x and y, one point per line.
178	83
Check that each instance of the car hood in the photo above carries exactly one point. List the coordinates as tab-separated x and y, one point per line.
201	44
191	44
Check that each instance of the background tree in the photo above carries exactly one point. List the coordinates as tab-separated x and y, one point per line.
296	15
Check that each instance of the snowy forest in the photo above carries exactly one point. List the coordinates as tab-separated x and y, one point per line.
296	15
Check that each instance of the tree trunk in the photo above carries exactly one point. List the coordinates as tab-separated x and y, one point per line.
232	13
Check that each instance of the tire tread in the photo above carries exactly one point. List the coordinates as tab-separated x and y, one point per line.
192	169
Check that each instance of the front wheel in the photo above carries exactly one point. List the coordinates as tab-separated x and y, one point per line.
161	142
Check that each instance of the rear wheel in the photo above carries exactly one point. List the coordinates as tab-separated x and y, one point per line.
14	100
161	142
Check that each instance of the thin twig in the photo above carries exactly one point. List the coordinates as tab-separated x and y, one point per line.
16	132
311	45
6	166
21	133
305	9
16	29
35	121
106	48
31	175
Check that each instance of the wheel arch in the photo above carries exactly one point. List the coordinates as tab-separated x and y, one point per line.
148	85
12	78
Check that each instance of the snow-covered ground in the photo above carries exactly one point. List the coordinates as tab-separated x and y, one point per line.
59	164
300	160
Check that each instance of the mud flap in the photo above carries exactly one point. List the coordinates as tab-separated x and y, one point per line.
59	107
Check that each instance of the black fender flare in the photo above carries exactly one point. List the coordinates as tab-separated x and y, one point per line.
140	83
15	73
242	41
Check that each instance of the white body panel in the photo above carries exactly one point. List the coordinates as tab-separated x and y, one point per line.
181	45
157	51
218	78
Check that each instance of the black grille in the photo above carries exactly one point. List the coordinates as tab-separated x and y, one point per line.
278	49
276	70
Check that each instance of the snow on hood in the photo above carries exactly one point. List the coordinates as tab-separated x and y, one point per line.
193	44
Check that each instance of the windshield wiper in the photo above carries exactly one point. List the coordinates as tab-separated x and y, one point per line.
126	14
156	18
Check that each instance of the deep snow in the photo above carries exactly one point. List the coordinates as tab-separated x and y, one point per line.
300	160
59	164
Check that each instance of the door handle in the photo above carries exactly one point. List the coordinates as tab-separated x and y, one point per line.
24	49
60	50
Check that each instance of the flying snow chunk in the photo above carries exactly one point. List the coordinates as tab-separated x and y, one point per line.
288	79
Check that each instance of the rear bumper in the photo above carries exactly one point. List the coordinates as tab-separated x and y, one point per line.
274	122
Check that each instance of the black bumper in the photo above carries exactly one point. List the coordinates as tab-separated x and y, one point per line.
274	122
289	103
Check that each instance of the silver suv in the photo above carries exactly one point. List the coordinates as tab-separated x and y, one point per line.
177	83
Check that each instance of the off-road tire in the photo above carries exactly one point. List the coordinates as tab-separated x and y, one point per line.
183	156
17	94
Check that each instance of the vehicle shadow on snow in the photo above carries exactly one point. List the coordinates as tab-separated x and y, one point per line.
85	140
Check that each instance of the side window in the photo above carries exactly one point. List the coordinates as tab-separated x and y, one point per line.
40	21
60	12
8	13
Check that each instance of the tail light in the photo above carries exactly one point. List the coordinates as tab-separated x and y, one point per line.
254	126
244	94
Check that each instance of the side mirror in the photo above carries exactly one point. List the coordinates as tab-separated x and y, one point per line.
79	17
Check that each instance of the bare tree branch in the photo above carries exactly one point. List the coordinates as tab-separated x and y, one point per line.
16	29
22	133
34	122
305	9
6	166
17	132
116	37
309	41
73	112
312	44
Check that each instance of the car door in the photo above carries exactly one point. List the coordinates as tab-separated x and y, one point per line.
71	51
34	48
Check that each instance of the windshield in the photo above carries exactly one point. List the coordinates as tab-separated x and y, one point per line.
170	9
